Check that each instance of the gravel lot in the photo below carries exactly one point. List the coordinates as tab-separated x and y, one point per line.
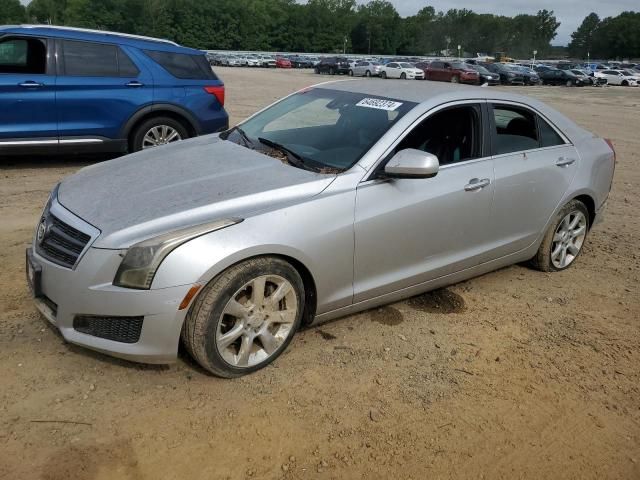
515	374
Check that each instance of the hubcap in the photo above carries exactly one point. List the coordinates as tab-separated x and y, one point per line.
568	239
160	135
256	321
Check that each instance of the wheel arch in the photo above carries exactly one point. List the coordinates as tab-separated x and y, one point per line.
161	109
590	203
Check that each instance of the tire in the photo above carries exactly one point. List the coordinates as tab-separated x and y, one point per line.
316	71
367	74
332	71
383	75
403	76
208	321
544	259
569	83
138	141
625	83
455	79
351	73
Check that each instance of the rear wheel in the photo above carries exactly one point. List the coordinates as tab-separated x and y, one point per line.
367	73
332	71
157	131
565	238
351	73
245	318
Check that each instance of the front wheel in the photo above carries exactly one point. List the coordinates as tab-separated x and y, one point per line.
157	131
351	73
332	71
403	76
245	317
455	79
565	238
625	83
367	74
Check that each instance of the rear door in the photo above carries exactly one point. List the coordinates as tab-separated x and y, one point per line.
534	166
99	88
27	94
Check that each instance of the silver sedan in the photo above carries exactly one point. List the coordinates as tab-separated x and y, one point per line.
365	69
336	199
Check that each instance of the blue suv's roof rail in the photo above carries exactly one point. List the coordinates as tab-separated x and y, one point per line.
103	32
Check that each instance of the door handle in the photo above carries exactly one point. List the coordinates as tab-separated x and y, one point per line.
30	84
565	162
135	84
476	184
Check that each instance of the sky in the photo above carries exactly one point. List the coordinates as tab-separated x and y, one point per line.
569	13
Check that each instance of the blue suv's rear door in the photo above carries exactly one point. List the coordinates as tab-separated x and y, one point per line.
27	94
99	88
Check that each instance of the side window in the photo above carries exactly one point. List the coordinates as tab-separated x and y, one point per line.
126	67
23	55
548	136
188	67
453	135
515	129
85	59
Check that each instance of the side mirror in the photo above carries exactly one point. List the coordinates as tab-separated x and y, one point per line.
412	163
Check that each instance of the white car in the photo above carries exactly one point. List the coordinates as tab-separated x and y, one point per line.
618	77
402	70
253	61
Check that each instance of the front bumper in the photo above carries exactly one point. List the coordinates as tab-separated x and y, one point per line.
63	294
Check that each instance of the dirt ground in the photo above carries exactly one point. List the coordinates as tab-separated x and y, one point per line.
515	374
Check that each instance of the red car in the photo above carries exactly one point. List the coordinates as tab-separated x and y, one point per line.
282	62
454	72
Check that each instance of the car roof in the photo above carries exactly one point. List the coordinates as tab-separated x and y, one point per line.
437	93
82	34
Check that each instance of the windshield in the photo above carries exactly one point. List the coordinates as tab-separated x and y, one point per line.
406	65
326	129
459	66
479	69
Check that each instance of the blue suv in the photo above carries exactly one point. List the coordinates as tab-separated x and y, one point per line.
75	90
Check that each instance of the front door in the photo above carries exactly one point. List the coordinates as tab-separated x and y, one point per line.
409	231
27	95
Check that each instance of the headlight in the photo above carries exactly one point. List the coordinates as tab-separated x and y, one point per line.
142	260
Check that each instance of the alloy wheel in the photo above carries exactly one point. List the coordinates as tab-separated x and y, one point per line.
568	239
160	135
257	321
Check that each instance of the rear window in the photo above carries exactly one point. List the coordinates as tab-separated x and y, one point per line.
187	67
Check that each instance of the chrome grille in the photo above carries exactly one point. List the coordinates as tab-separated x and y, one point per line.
60	243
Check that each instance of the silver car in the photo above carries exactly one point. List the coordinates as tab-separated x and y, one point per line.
365	69
336	199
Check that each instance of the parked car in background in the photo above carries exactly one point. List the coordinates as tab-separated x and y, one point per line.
530	77
74	90
232	61
402	70
282	62
296	217
507	76
485	76
253	60
587	76
333	66
267	61
365	69
423	65
617	77
563	77
299	61
454	72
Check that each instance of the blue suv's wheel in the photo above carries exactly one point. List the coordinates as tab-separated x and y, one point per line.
157	131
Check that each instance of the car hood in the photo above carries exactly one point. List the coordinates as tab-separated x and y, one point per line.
179	185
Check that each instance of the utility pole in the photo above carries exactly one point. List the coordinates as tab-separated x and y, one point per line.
459	48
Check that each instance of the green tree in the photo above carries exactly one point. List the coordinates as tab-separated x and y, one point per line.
12	12
582	39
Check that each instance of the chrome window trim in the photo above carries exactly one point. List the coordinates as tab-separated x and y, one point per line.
14	143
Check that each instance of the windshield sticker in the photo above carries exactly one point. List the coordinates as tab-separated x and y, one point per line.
378	103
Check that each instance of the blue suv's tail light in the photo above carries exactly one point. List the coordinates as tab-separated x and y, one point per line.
218	92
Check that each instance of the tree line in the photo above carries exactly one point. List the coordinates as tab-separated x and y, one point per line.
316	26
611	37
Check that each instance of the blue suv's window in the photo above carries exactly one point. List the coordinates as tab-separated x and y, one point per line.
85	59
23	55
188	67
